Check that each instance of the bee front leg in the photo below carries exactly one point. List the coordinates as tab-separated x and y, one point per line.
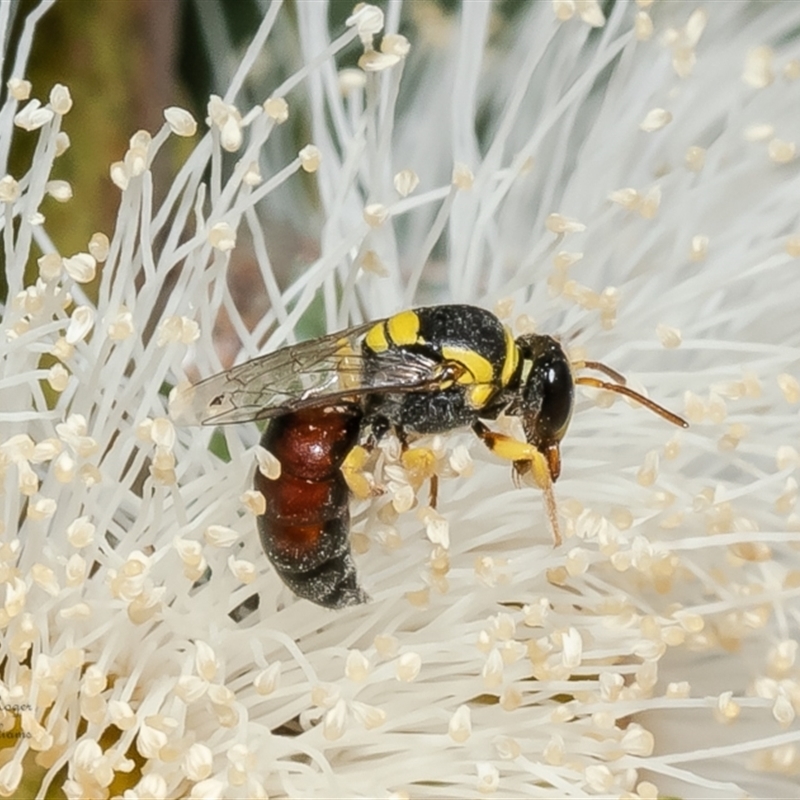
525	458
515	451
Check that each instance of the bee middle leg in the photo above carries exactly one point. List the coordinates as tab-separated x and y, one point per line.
433	492
414	460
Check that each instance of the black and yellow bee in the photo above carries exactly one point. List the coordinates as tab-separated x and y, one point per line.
422	371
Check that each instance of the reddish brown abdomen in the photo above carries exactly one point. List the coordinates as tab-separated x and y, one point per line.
306	527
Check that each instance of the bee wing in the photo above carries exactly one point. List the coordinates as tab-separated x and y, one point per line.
321	370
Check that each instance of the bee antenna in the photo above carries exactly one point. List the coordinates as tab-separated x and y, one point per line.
620	388
604	368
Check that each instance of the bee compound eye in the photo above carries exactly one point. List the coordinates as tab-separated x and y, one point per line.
549	395
558	396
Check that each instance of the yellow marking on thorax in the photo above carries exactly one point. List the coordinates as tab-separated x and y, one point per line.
480	394
443	375
376	338
403	328
479	370
512	358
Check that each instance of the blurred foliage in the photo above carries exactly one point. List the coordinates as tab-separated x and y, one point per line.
118	61
125	61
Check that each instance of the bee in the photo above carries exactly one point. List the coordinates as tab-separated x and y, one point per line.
422	371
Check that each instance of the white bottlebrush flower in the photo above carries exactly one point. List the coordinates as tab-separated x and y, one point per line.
594	177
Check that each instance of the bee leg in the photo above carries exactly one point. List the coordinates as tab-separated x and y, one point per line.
420	463
402	437
352	470
511	449
525	458
379	426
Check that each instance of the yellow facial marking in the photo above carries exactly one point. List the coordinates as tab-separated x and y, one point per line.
479	394
403	328
479	370
376	339
512	358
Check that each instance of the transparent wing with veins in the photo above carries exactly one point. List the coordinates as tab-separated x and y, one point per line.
329	369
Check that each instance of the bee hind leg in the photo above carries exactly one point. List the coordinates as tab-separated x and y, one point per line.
433	496
380	426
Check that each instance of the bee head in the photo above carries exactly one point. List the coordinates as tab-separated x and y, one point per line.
546	396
